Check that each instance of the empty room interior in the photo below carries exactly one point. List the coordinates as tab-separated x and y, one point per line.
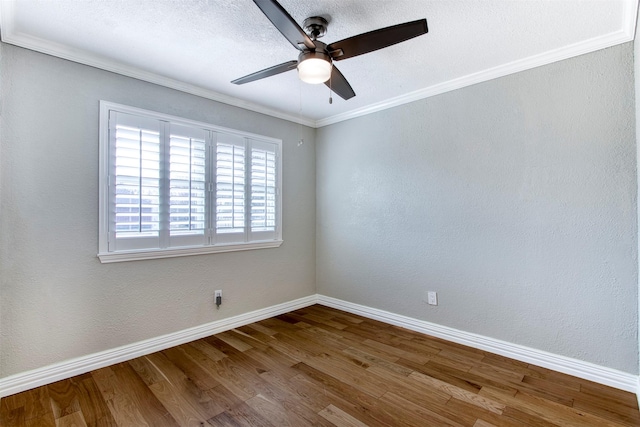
443	231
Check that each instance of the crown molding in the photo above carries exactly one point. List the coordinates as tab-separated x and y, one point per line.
630	18
625	34
535	61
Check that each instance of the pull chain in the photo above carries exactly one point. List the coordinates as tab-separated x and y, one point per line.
301	140
330	81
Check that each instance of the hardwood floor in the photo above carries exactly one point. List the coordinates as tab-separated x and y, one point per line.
323	367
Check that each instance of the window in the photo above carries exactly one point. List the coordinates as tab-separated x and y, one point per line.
173	187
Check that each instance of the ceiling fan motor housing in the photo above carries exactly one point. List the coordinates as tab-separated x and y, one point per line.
320	52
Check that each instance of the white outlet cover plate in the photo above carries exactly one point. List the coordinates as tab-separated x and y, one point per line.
432	298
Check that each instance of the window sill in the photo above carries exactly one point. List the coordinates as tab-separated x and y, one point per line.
138	255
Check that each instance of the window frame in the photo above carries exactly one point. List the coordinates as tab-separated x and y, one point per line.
105	234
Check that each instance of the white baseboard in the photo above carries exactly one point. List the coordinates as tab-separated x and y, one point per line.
566	365
69	368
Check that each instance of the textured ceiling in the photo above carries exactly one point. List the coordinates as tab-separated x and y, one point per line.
201	45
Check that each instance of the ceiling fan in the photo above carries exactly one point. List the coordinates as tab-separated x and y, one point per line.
315	61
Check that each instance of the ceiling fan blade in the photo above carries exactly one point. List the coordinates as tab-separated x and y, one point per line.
268	72
281	19
377	39
339	84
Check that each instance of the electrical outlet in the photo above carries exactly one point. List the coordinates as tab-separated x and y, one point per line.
217	297
432	298
218	293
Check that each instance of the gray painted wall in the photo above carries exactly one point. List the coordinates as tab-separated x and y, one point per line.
514	199
636	65
56	300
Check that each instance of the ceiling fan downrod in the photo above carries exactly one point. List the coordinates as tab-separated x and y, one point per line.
315	27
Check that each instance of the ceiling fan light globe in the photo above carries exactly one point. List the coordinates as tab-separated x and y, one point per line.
314	70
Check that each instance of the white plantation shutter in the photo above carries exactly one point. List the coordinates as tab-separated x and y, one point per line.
187	185
263	190
135	195
230	188
172	187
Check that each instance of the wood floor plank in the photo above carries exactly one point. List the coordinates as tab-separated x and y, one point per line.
618	414
342	316
27	408
607	408
410	388
252	338
94	409
551	412
177	405
233	340
490	371
256	334
74	419
609	394
461	394
297	339
357	403
353	376
206	348
275	392
201	377
228	375
319	366
549	391
241	415
290	349
131	386
44	421
327	322
469	414
419	358
296	401
408	414
323	337
275	412
559	378
366	332
261	328
371	359
122	408
273	361
13	417
340	418
63	397
425	396
293	395
465	380
145	370
415	347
